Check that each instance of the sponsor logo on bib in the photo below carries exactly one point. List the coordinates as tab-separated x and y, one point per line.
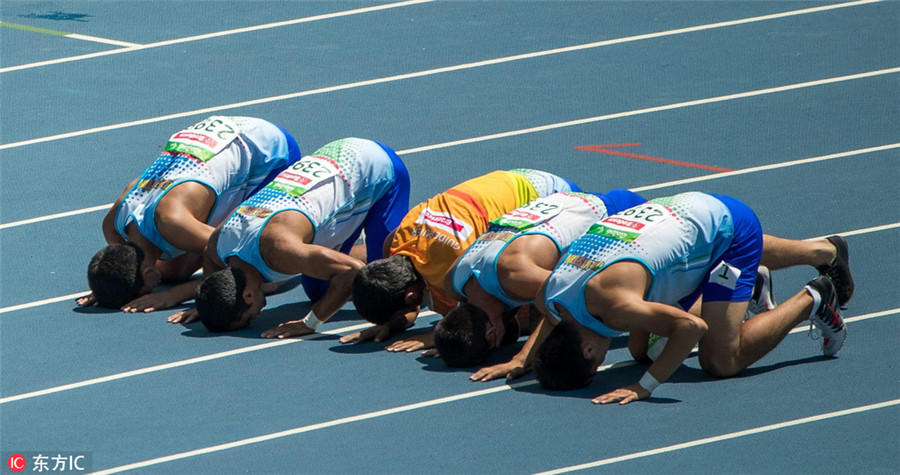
445	222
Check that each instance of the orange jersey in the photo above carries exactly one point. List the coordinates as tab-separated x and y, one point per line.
436	232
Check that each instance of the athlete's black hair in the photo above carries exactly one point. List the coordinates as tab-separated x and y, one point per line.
379	288
559	363
459	336
114	274
219	299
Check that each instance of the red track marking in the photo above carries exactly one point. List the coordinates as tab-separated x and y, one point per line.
606	149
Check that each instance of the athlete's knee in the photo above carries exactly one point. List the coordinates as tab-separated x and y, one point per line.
719	366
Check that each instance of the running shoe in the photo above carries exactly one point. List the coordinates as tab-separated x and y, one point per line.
763	299
827	318
839	270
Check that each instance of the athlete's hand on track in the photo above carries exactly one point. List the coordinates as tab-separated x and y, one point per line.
511	370
151	302
288	329
86	301
413	343
623	395
378	333
186	316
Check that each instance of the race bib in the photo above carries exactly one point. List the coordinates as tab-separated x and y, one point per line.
305	175
445	222
204	139
725	275
629	224
528	216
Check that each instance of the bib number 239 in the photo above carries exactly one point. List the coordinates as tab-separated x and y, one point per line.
206	138
305	175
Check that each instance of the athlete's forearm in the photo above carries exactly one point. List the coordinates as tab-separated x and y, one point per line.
183	292
526	355
683	330
338	293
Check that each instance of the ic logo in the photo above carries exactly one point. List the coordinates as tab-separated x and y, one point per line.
16	463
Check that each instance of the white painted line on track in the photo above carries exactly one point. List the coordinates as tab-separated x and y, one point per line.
324	16
685	181
137	47
649	110
56	216
559	125
64	34
310	428
280	342
176	364
38	303
189	361
773	166
714	176
484	392
472	65
107	41
729	436
873	229
661	34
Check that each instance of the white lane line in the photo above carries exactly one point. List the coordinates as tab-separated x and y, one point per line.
858	318
424	404
713	176
55	216
309	428
873	229
773	166
661	34
176	364
135	47
276	343
460	67
649	110
38	303
97	39
473	394
64	34
324	16
586	121
729	436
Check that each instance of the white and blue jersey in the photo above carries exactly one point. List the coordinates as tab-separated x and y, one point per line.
233	156
546	183
343	187
690	243
561	217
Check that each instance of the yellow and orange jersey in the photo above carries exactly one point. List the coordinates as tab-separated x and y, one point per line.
436	232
